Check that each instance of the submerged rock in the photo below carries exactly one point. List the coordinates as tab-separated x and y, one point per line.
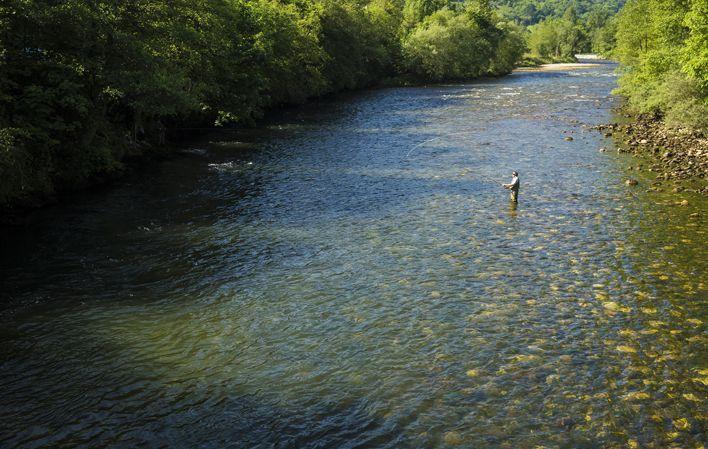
452	438
567	422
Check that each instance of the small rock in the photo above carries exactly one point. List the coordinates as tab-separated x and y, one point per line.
644	141
684	203
602	150
568	139
631	182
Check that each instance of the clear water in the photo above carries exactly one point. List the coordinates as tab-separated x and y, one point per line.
355	277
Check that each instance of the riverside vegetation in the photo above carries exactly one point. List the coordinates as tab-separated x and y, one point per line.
663	50
85	85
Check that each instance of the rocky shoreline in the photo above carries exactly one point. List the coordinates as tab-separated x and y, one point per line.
676	154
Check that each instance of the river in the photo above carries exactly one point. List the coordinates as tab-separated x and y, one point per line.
351	275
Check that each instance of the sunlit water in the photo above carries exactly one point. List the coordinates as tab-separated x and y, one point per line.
355	277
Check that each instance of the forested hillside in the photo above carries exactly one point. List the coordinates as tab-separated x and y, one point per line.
531	12
663	48
83	83
559	29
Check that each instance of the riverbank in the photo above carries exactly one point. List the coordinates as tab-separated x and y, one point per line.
676	154
138	159
557	67
138	154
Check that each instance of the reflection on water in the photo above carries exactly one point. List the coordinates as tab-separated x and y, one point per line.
319	284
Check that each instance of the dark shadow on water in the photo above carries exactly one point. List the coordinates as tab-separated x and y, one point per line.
133	399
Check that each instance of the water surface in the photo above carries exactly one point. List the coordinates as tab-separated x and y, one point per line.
353	276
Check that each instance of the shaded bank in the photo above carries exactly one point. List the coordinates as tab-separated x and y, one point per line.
86	84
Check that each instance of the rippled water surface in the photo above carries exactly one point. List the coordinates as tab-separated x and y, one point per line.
353	276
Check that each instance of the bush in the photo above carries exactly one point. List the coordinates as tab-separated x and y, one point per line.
450	45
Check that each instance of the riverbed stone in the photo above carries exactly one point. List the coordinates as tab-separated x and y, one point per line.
452	438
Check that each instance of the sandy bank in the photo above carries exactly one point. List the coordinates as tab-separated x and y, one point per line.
558	67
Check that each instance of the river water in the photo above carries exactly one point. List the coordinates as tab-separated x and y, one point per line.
351	275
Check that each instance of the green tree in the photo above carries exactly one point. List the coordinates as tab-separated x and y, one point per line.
554	39
414	11
456	45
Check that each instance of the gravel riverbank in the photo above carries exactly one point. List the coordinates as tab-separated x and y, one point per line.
676	154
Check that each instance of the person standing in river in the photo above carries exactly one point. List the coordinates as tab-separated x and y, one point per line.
513	186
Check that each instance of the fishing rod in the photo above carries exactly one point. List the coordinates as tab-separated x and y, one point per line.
425	142
466	171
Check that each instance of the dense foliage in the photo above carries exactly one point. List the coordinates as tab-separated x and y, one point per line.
83	83
466	44
531	12
663	48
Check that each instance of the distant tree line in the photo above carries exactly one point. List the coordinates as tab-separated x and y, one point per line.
559	29
531	12
85	83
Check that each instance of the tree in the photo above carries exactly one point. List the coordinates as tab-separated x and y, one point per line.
662	47
457	44
414	11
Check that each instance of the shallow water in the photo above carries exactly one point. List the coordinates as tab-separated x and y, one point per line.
354	277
